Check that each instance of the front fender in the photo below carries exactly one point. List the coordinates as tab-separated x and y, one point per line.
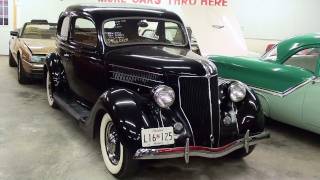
54	66
130	112
246	115
51	62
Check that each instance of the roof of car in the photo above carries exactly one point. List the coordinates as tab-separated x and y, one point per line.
83	7
297	42
104	11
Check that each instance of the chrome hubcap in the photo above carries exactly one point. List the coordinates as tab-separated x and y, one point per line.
112	144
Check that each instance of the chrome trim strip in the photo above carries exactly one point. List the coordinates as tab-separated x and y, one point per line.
186	151
277	93
247	141
211	123
161	118
136	69
184	114
142	78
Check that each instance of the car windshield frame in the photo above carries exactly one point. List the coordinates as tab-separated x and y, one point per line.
180	25
267	54
53	36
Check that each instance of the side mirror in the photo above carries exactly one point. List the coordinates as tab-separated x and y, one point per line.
14	33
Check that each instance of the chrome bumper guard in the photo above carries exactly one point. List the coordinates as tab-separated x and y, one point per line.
199	151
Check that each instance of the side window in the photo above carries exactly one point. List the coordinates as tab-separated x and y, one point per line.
85	32
307	59
173	33
64	31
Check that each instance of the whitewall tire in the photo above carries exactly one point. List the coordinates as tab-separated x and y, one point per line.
117	158
50	98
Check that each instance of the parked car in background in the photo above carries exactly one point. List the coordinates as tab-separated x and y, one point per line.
29	47
146	97
286	79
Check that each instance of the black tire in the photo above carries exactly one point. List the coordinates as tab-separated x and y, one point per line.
52	103
22	78
241	153
118	159
12	62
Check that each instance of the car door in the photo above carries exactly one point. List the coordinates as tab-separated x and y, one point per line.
311	102
290	107
86	67
64	49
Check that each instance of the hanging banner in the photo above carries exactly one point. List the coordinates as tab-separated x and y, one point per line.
219	3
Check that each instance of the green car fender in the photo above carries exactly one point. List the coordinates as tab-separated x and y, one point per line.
260	74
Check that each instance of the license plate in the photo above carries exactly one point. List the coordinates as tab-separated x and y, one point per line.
157	136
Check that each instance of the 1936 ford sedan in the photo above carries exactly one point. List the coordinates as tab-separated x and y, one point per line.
146	97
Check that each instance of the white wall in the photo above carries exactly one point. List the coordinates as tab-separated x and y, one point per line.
263	21
40	9
5	32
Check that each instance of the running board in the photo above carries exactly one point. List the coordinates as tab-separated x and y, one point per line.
72	107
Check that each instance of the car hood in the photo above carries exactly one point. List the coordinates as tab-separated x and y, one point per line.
40	46
160	59
261	74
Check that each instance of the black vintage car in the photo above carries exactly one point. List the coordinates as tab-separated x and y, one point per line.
146	97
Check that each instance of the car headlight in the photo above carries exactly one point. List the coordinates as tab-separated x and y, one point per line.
164	96
37	59
237	91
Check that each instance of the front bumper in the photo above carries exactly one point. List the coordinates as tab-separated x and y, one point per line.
199	151
33	70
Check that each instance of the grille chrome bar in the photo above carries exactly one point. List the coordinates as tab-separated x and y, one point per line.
198	101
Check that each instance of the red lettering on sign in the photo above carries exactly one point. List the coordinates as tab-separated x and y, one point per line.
147	1
214	2
183	2
221	3
113	1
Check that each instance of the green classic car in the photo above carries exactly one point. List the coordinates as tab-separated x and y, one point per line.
286	80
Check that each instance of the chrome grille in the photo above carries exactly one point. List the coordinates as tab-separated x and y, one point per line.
199	101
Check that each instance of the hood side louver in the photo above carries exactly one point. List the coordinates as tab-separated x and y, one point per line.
136	76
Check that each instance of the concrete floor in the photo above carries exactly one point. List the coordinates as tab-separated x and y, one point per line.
37	142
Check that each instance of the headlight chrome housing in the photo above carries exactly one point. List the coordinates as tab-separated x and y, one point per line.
237	91
164	96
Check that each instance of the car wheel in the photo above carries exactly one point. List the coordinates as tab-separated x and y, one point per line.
50	98
12	62
241	153
117	158
22	78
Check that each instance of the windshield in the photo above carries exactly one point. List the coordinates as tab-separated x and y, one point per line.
39	31
272	55
127	31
